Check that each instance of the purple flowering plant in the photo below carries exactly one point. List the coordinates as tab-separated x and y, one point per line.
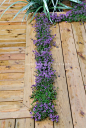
43	91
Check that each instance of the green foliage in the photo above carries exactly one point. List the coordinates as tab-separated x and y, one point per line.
40	6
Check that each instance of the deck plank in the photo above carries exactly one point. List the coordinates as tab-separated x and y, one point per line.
12	44
15	109
9	17
20	123
11	62
12	50
12	27
74	79
80	42
13	32
12	40
20	56
44	124
13	68
7	123
14	95
29	123
24	123
11	76
5	23
29	78
85	26
11	85
12	36
63	105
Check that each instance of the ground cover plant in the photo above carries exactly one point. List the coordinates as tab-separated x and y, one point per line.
44	92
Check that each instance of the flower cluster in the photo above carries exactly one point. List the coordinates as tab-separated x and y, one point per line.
43	90
78	13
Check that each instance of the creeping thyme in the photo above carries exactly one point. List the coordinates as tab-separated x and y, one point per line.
43	91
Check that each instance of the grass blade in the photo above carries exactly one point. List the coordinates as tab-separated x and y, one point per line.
35	13
10	6
2	3
24	8
76	1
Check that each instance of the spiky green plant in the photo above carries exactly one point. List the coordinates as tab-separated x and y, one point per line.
40	6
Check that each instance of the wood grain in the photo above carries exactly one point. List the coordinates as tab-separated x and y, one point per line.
11	85
5	50
12	44
12	27
20	56
14	110
29	78
14	68
74	79
11	76
80	42
7	123
11	95
63	105
11	62
13	32
12	23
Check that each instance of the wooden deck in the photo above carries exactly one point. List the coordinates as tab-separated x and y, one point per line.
17	66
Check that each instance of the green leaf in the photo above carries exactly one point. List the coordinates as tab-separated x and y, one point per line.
2	3
27	13
10	6
45	6
35	13
24	8
66	7
61	8
76	1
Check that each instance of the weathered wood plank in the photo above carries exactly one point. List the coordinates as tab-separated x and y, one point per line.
9	17
13	32
85	26
12	44
12	40
11	62
74	79
12	23
12	10
11	95
29	78
9	3
80	41
11	85
12	36
12	50
20	123
16	56
12	27
29	123
12	110
24	123
63	105
11	76
7	123
14	68
44	124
